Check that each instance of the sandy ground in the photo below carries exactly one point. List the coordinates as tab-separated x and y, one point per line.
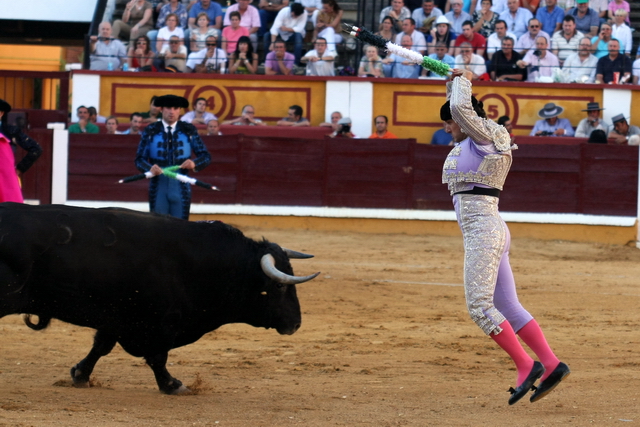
385	341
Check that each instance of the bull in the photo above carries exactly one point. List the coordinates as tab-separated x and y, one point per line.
151	283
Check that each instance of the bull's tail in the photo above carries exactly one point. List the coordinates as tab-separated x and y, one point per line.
43	322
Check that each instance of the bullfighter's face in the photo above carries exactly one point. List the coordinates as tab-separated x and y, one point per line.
170	114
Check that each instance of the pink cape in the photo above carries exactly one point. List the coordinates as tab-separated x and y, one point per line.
9	184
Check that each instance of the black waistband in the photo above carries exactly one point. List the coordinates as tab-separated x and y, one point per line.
482	191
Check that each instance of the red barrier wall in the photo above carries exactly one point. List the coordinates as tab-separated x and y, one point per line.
397	174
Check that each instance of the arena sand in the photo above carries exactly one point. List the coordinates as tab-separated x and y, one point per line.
385	341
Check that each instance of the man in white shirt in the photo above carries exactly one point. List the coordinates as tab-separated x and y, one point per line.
398	12
320	62
528	40
209	60
428	10
290	25
457	16
470	61
417	38
581	65
494	41
540	61
199	115
516	17
566	41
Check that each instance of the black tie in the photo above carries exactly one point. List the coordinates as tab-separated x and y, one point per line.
169	134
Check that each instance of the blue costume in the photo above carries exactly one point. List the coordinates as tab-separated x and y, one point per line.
167	195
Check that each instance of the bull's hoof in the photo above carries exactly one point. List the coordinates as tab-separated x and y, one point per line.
181	390
174	388
79	379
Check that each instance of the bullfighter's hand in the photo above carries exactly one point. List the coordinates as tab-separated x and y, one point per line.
156	170
188	164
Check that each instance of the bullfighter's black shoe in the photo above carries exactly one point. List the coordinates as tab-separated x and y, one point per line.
528	384
561	372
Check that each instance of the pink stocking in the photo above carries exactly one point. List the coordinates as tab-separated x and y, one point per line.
508	341
532	335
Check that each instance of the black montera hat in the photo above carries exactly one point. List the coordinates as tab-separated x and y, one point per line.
4	106
171	101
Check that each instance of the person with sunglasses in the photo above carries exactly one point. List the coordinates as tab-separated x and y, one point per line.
211	59
528	40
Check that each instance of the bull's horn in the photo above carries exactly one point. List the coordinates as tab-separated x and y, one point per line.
295	254
268	265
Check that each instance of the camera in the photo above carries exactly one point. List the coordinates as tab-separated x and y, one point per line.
546	133
537	52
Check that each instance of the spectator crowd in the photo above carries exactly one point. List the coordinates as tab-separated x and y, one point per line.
584	41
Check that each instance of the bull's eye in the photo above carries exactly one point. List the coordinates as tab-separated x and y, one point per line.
263	293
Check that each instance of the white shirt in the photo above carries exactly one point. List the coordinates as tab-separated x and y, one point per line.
494	43
578	68
188	117
284	18
565	48
540	67
218	59
419	17
419	43
477	65
321	68
623	34
165	35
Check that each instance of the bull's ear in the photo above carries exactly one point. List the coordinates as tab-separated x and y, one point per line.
268	265
295	254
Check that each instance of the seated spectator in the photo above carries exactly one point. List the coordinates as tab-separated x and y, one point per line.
504	64
442	56
613	64
418	42
614	5
249	18
456	16
551	125
621	31
174	7
106	53
137	20
498	6
442	33
153	114
94	117
232	33
388	32
279	61
441	137
211	59
199	33
294	118
494	42
527	41
320	62
246	119
484	20
550	17
539	62
566	41
329	24
516	17
398	67
84	125
199	115
111	126
622	132
288	26
211	8
371	65
587	19
312	7
343	130
470	61
166	32
382	131
581	66
172	56
477	42
140	56
636	71
135	121
427	11
602	8
600	44
243	60
396	11
592	122
213	127
335	117
268	10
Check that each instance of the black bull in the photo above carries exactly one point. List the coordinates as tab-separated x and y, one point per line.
150	283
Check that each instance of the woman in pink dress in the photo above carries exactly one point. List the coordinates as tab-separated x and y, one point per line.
232	33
